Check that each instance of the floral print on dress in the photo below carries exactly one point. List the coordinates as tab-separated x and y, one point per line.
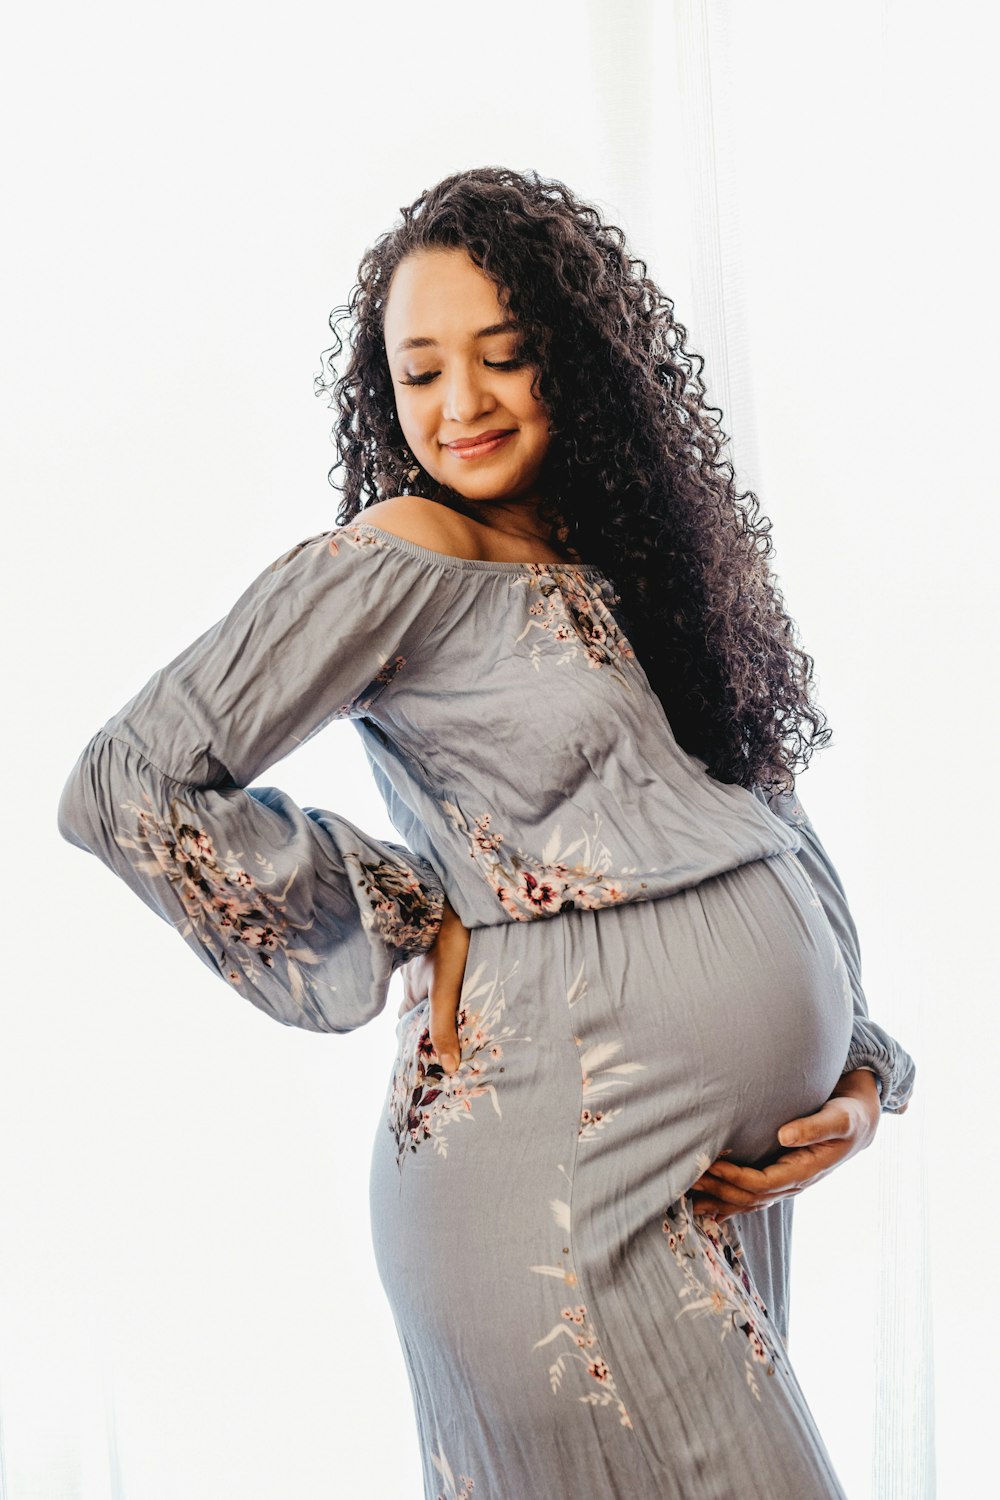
718	1284
574	1335
243	908
220	896
424	1100
404	913
600	1075
453	1490
576	874
570	611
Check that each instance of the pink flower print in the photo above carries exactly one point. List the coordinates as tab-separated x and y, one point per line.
387	672
569	873
540	894
577	1329
424	1102
260	937
757	1346
573	613
246	916
194	843
482	839
601	1073
700	1243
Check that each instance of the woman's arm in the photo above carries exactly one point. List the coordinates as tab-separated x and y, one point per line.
296	908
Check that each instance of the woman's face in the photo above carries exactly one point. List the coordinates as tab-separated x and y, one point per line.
452	356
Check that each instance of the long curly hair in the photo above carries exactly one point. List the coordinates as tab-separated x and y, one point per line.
635	474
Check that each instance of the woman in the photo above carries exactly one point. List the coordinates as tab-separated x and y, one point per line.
555	628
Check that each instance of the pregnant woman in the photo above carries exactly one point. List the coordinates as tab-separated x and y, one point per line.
632	1025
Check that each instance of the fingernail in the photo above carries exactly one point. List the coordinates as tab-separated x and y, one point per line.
450	1061
790	1138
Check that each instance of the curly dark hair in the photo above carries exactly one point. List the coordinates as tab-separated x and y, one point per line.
635	473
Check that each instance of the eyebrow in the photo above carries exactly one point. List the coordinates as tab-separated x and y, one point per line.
484	333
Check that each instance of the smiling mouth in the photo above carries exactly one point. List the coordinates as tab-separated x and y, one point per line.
480	448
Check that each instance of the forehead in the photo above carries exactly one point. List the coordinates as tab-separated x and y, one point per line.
439	294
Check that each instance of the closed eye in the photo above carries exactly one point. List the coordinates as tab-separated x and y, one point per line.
504	364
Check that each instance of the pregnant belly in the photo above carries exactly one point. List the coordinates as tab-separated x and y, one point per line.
636	1042
739	1008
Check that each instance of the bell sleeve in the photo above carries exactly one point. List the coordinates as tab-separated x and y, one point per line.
871	1047
295	907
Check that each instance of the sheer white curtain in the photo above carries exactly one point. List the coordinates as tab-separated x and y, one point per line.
841	290
188	1301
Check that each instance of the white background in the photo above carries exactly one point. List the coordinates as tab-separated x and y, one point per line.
189	1303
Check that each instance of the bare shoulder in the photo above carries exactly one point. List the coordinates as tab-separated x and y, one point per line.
423	522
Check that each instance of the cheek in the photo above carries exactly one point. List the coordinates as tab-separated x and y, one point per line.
534	418
413	421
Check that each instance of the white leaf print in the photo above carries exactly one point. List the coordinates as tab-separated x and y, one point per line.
560	1212
550	854
557	1330
595	1056
471	986
595	1090
577	989
304	955
444	1468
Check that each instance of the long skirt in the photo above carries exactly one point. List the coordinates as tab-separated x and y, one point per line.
570	1328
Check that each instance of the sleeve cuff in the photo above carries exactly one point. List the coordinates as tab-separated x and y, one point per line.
409	905
893	1067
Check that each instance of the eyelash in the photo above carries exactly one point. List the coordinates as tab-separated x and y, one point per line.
506	364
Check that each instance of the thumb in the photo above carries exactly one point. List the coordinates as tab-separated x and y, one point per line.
808	1129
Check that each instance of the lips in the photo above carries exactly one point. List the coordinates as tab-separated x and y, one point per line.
482	437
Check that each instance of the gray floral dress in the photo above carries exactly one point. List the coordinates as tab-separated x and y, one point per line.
660	966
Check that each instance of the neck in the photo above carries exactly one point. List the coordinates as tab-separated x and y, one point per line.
514	517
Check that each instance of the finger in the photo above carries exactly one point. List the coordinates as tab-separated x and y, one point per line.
715	1208
731	1171
727	1193
832	1122
797	1168
445	996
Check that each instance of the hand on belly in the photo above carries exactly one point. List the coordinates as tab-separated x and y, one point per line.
815	1144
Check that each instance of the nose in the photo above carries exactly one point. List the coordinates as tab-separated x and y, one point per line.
466	394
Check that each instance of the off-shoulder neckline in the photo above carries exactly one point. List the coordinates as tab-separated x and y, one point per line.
480	564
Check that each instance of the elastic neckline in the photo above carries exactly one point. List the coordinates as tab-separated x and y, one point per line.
482	565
